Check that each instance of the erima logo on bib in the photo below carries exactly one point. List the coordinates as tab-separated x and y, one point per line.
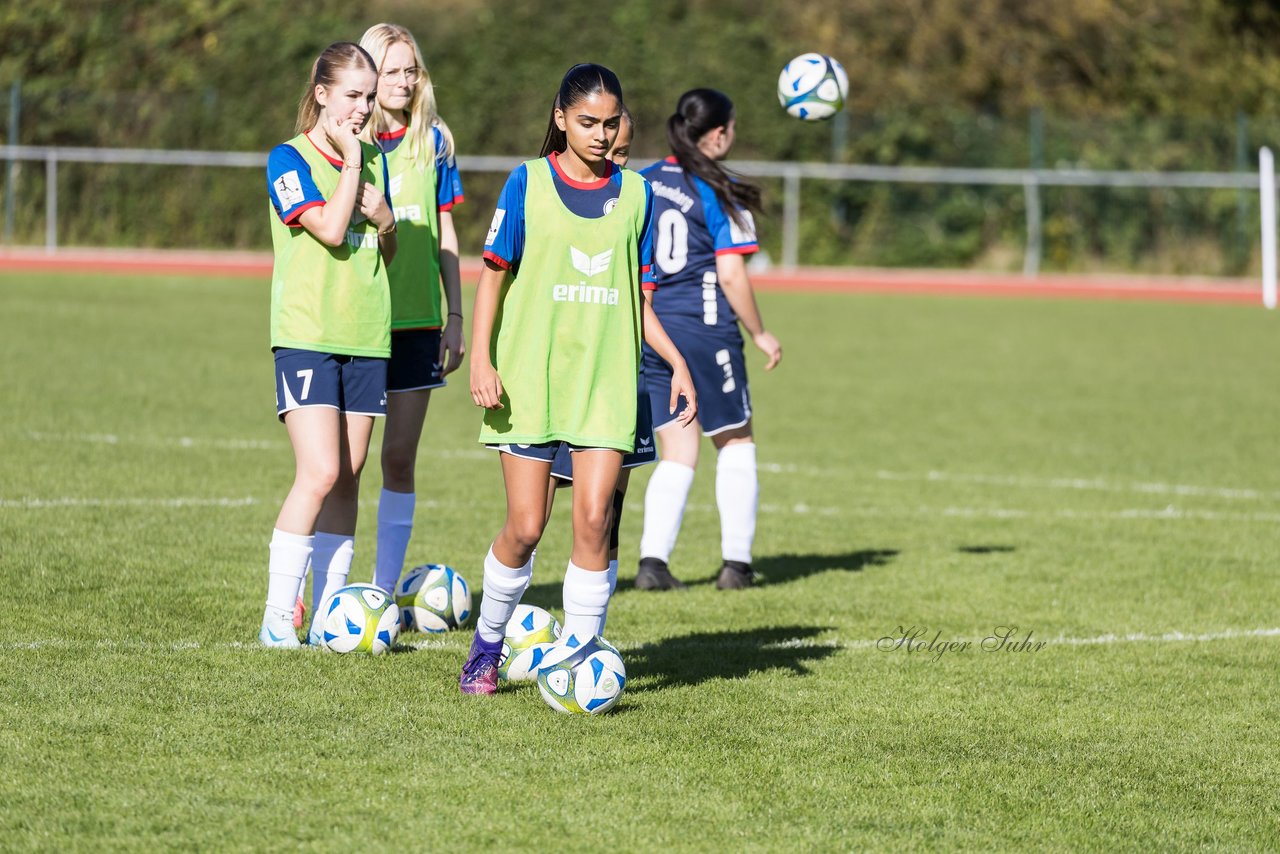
589	266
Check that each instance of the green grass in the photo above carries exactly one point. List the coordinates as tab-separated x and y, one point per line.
1075	469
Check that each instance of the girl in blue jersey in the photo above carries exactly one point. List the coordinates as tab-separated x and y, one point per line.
705	231
333	233
427	343
556	336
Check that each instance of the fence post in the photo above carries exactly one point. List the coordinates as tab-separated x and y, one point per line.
791	219
15	101
1031	195
1267	188
51	202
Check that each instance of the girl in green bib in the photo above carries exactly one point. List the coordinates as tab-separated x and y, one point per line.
333	232
427	342
558	323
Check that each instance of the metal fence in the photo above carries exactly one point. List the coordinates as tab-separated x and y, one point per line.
792	174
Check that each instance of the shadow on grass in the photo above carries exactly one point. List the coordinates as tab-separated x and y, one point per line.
697	658
789	567
986	549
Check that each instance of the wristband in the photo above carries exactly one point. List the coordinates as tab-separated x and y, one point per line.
456	314
383	232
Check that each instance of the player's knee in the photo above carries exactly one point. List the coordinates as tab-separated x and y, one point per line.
524	532
593	521
398	462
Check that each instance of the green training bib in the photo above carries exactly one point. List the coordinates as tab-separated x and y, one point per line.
566	340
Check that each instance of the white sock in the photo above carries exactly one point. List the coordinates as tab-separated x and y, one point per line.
613	585
395	525
664	502
737	491
503	587
289	554
330	565
586	599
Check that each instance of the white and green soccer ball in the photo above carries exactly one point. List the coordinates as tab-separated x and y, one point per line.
530	633
433	598
582	678
359	618
813	86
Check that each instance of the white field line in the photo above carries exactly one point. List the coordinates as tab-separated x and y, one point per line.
458	644
217	444
1052	483
1173	514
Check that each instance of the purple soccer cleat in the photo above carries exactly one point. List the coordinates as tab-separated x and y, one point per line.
480	673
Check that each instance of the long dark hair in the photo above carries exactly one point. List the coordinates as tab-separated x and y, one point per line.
580	82
698	112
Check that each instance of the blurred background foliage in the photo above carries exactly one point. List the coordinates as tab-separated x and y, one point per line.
1107	84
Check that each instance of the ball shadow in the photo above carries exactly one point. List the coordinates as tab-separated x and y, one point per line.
697	658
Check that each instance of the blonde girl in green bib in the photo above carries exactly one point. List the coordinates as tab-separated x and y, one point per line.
333	232
558	322
427	341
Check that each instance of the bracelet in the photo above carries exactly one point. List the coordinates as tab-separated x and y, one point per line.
355	166
456	314
383	232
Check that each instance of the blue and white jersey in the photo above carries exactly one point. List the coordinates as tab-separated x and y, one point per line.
504	244
692	229
448	179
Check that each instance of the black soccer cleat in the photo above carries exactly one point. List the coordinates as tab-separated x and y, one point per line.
735	575
654	575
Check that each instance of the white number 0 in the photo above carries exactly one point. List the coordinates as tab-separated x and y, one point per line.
673	241
306	382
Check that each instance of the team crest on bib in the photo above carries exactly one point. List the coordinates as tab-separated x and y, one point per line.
610	205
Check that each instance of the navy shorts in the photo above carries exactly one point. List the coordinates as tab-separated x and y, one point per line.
354	384
544	452
719	372
645	452
415	360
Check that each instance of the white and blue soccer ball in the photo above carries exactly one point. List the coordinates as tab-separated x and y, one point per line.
582	678
433	598
813	86
531	631
359	618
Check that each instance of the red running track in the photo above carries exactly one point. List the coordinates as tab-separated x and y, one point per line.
813	279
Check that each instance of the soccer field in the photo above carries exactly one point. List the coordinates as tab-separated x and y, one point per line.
1094	476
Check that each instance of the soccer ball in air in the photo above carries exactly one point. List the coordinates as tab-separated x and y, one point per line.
433	598
582	678
530	633
359	618
813	86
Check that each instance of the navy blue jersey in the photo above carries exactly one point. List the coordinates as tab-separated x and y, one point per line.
692	228
504	244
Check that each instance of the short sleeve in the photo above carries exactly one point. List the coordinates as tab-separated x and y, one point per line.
290	185
729	238
504	244
448	179
648	279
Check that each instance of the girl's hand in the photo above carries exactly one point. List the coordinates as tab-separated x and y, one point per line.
770	347
342	135
453	344
682	384
486	385
374	206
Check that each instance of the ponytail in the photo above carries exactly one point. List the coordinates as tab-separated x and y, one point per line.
698	112
579	83
338	56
